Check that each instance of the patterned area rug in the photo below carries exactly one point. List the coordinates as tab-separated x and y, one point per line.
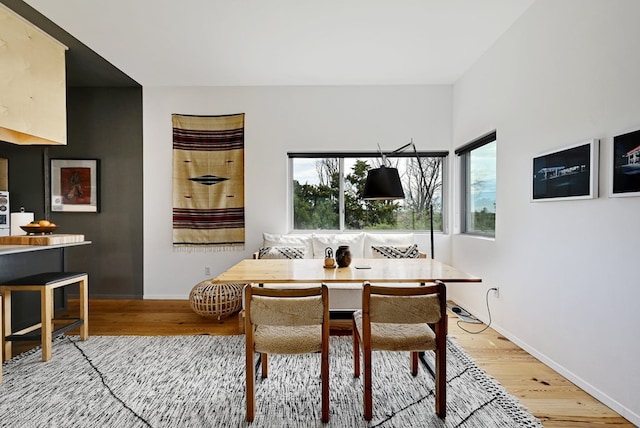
198	381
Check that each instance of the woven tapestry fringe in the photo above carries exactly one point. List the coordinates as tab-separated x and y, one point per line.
178	248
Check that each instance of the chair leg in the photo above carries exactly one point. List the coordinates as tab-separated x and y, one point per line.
356	352
414	363
264	359
368	399
441	381
250	378
324	369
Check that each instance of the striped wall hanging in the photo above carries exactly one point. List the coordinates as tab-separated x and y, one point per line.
208	182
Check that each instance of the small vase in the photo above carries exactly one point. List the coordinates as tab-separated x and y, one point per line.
343	256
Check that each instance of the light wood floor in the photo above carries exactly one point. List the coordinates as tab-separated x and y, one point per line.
550	397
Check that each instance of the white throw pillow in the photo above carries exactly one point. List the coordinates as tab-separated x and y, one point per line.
387	239
292	240
321	241
395	252
281	253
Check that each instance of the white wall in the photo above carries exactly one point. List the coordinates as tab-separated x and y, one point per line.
568	271
278	120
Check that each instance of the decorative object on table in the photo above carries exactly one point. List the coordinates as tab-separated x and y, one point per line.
75	185
216	300
37	229
626	165
329	261
208	182
20	219
198	380
566	174
343	256
384	184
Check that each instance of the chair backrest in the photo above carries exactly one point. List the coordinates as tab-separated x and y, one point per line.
287	307
404	305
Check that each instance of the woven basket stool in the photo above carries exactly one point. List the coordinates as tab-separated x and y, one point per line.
216	300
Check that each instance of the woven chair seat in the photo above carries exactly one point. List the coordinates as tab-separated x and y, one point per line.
399	337
288	340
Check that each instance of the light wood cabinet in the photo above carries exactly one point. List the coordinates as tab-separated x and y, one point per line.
32	83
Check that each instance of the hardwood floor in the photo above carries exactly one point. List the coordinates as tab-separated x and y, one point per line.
546	394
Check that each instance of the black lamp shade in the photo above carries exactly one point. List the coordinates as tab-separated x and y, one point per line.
382	184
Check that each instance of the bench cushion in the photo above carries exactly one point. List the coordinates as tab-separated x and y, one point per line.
45	278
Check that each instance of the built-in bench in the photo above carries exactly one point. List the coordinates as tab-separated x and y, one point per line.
347	297
44	283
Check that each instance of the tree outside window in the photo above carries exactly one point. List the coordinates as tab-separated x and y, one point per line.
325	187
478	160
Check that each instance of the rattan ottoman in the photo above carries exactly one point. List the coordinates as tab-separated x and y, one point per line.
216	300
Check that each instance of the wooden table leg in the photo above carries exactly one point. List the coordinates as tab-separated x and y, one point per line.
6	324
46	296
84	308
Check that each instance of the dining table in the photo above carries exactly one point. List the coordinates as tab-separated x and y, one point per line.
389	272
312	271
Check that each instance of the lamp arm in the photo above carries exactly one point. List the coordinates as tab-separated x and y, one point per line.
423	176
424	181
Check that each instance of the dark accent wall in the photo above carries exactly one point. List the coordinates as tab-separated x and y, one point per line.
105	124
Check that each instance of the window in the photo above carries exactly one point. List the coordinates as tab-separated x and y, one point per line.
478	185
326	192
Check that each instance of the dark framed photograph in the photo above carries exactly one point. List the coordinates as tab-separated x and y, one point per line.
626	165
75	185
567	173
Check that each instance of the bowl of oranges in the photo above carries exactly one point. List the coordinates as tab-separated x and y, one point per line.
42	227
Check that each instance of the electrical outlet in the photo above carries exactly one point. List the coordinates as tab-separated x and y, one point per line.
496	292
207	270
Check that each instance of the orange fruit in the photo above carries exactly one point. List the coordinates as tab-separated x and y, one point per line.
44	223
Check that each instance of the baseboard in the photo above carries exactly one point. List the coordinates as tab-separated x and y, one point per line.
113	296
599	395
165	297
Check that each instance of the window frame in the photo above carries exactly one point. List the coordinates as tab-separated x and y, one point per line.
341	156
463	153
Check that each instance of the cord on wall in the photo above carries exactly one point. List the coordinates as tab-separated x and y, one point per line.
488	311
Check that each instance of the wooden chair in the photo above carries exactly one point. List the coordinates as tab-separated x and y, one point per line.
286	321
402	319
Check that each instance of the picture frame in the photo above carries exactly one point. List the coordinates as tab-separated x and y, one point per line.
625	175
566	174
75	185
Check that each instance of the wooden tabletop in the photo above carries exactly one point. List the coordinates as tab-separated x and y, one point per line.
266	271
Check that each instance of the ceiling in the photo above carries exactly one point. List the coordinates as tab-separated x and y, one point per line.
286	42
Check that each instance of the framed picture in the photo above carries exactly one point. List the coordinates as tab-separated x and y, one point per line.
567	173
626	165
75	185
